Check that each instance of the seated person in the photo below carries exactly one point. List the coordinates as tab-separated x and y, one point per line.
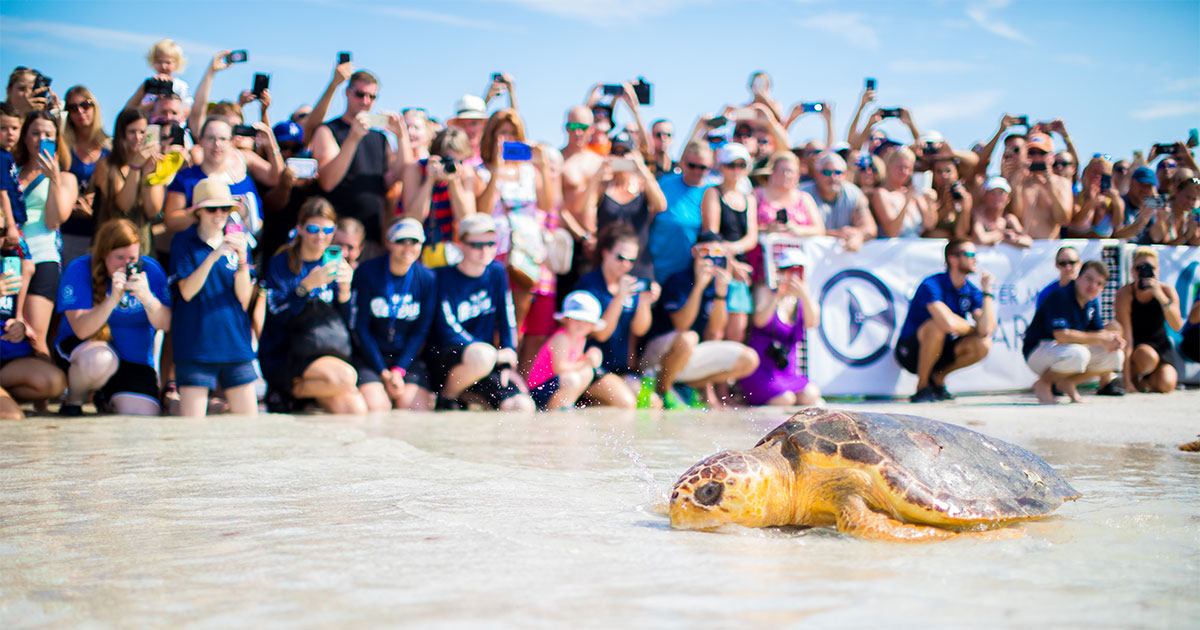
990	224
23	377
936	338
396	297
475	329
693	306
106	344
563	369
780	318
1144	308
1066	343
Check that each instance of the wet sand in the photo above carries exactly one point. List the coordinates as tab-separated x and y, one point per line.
494	520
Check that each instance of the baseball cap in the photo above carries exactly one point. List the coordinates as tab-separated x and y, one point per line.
406	228
1039	141
288	131
1144	175
622	139
470	107
995	182
791	257
476	224
582	306
731	152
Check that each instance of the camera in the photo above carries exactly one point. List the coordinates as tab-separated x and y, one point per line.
778	354
175	135
245	131
891	112
261	81
1164	148
956	191
717	261
1145	271
809	108
611	89
237	56
1037	167
343	57
870	83
1023	121
930	149
449	165
158	87
641	90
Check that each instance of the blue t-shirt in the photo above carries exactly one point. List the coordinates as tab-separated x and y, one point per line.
245	191
674	230
616	348
8	183
939	288
212	327
283	305
392	314
675	292
474	309
132	333
1061	311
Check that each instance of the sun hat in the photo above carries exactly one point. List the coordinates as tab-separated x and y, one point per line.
212	193
582	306
469	107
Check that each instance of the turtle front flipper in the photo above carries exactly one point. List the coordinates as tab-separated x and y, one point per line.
854	517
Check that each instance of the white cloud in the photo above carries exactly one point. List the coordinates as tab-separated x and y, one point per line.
847	26
1181	85
956	107
931	66
982	14
603	12
435	17
1166	109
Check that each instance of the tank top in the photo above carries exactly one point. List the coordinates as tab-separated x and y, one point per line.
44	243
362	193
635	212
733	222
542	369
1149	324
82	226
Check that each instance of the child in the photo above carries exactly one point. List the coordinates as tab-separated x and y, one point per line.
166	59
11	203
562	370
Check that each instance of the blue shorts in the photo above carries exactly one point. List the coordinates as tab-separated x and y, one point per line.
542	393
213	376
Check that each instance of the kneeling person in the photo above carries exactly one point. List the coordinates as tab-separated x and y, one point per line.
563	370
936	338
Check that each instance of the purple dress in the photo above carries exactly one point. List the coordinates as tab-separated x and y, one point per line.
768	381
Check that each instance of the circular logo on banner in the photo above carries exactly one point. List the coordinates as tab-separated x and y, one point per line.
858	317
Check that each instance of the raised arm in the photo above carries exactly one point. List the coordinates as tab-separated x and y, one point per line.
199	111
853	134
316	117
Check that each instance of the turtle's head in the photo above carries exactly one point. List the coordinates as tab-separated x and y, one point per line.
731	487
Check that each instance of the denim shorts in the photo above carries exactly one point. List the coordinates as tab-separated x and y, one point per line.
212	376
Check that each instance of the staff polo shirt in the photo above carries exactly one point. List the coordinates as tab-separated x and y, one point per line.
392	314
474	309
616	348
132	332
1061	311
212	327
939	288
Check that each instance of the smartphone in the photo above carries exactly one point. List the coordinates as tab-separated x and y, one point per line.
132	267
48	146
614	90
1037	167
809	108
891	112
870	83
781	215
1105	182
244	130
1193	138
176	135
236	56
1165	148
332	253
719	121
305	168
717	261
153	135
232	228
623	165
641	285
641	90
1023	121
261	81
497	77
517	152
377	120
343	57
12	266
41	82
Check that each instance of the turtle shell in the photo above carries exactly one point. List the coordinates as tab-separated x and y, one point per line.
928	465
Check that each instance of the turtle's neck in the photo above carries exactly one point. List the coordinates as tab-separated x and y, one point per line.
779	496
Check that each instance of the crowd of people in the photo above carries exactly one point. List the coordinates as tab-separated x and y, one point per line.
200	258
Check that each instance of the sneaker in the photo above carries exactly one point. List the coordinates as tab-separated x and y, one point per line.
924	395
448	404
672	400
942	392
1114	388
71	411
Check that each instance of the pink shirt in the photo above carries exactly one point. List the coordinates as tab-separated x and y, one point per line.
543	365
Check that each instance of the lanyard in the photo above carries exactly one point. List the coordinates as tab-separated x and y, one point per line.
395	301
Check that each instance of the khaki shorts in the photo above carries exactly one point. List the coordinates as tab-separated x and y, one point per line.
708	359
1073	358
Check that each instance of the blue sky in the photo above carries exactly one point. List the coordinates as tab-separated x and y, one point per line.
1122	74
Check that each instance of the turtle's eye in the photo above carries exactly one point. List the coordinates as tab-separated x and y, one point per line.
709	494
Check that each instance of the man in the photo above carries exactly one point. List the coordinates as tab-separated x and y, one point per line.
169	110
350	236
579	163
674	230
845	208
661	133
693	307
990	225
1066	343
1042	200
1142	186
470	115
355	166
1144	308
936	338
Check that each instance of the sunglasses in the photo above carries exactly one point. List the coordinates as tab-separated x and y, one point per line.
657	134
80	106
316	229
1166	165
738	165
367	95
215	209
967	254
830	173
1066	263
407	242
1062	164
696	167
1120	169
624	258
1034	152
577	126
479	244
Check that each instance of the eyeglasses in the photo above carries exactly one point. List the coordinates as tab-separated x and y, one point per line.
697	167
316	229
367	95
737	165
216	209
625	259
406	242
577	126
830	173
1066	263
479	244
80	106
218	139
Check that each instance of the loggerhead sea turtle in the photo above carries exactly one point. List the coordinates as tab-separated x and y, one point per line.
874	475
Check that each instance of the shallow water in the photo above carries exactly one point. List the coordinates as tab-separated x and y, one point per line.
494	520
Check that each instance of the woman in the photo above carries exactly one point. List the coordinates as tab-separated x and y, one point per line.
951	202
21	93
868	173
395	298
780	320
899	209
22	376
112	302
627	194
783	208
210	271
1144	308
626	300
734	215
1179	223
119	183
49	191
305	348
88	144
439	193
1098	207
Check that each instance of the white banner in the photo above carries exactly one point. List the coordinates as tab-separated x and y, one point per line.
864	299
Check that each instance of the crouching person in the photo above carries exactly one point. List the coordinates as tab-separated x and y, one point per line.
563	370
1066	343
23	377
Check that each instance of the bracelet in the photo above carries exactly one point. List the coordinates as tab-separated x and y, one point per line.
720	297
991	295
